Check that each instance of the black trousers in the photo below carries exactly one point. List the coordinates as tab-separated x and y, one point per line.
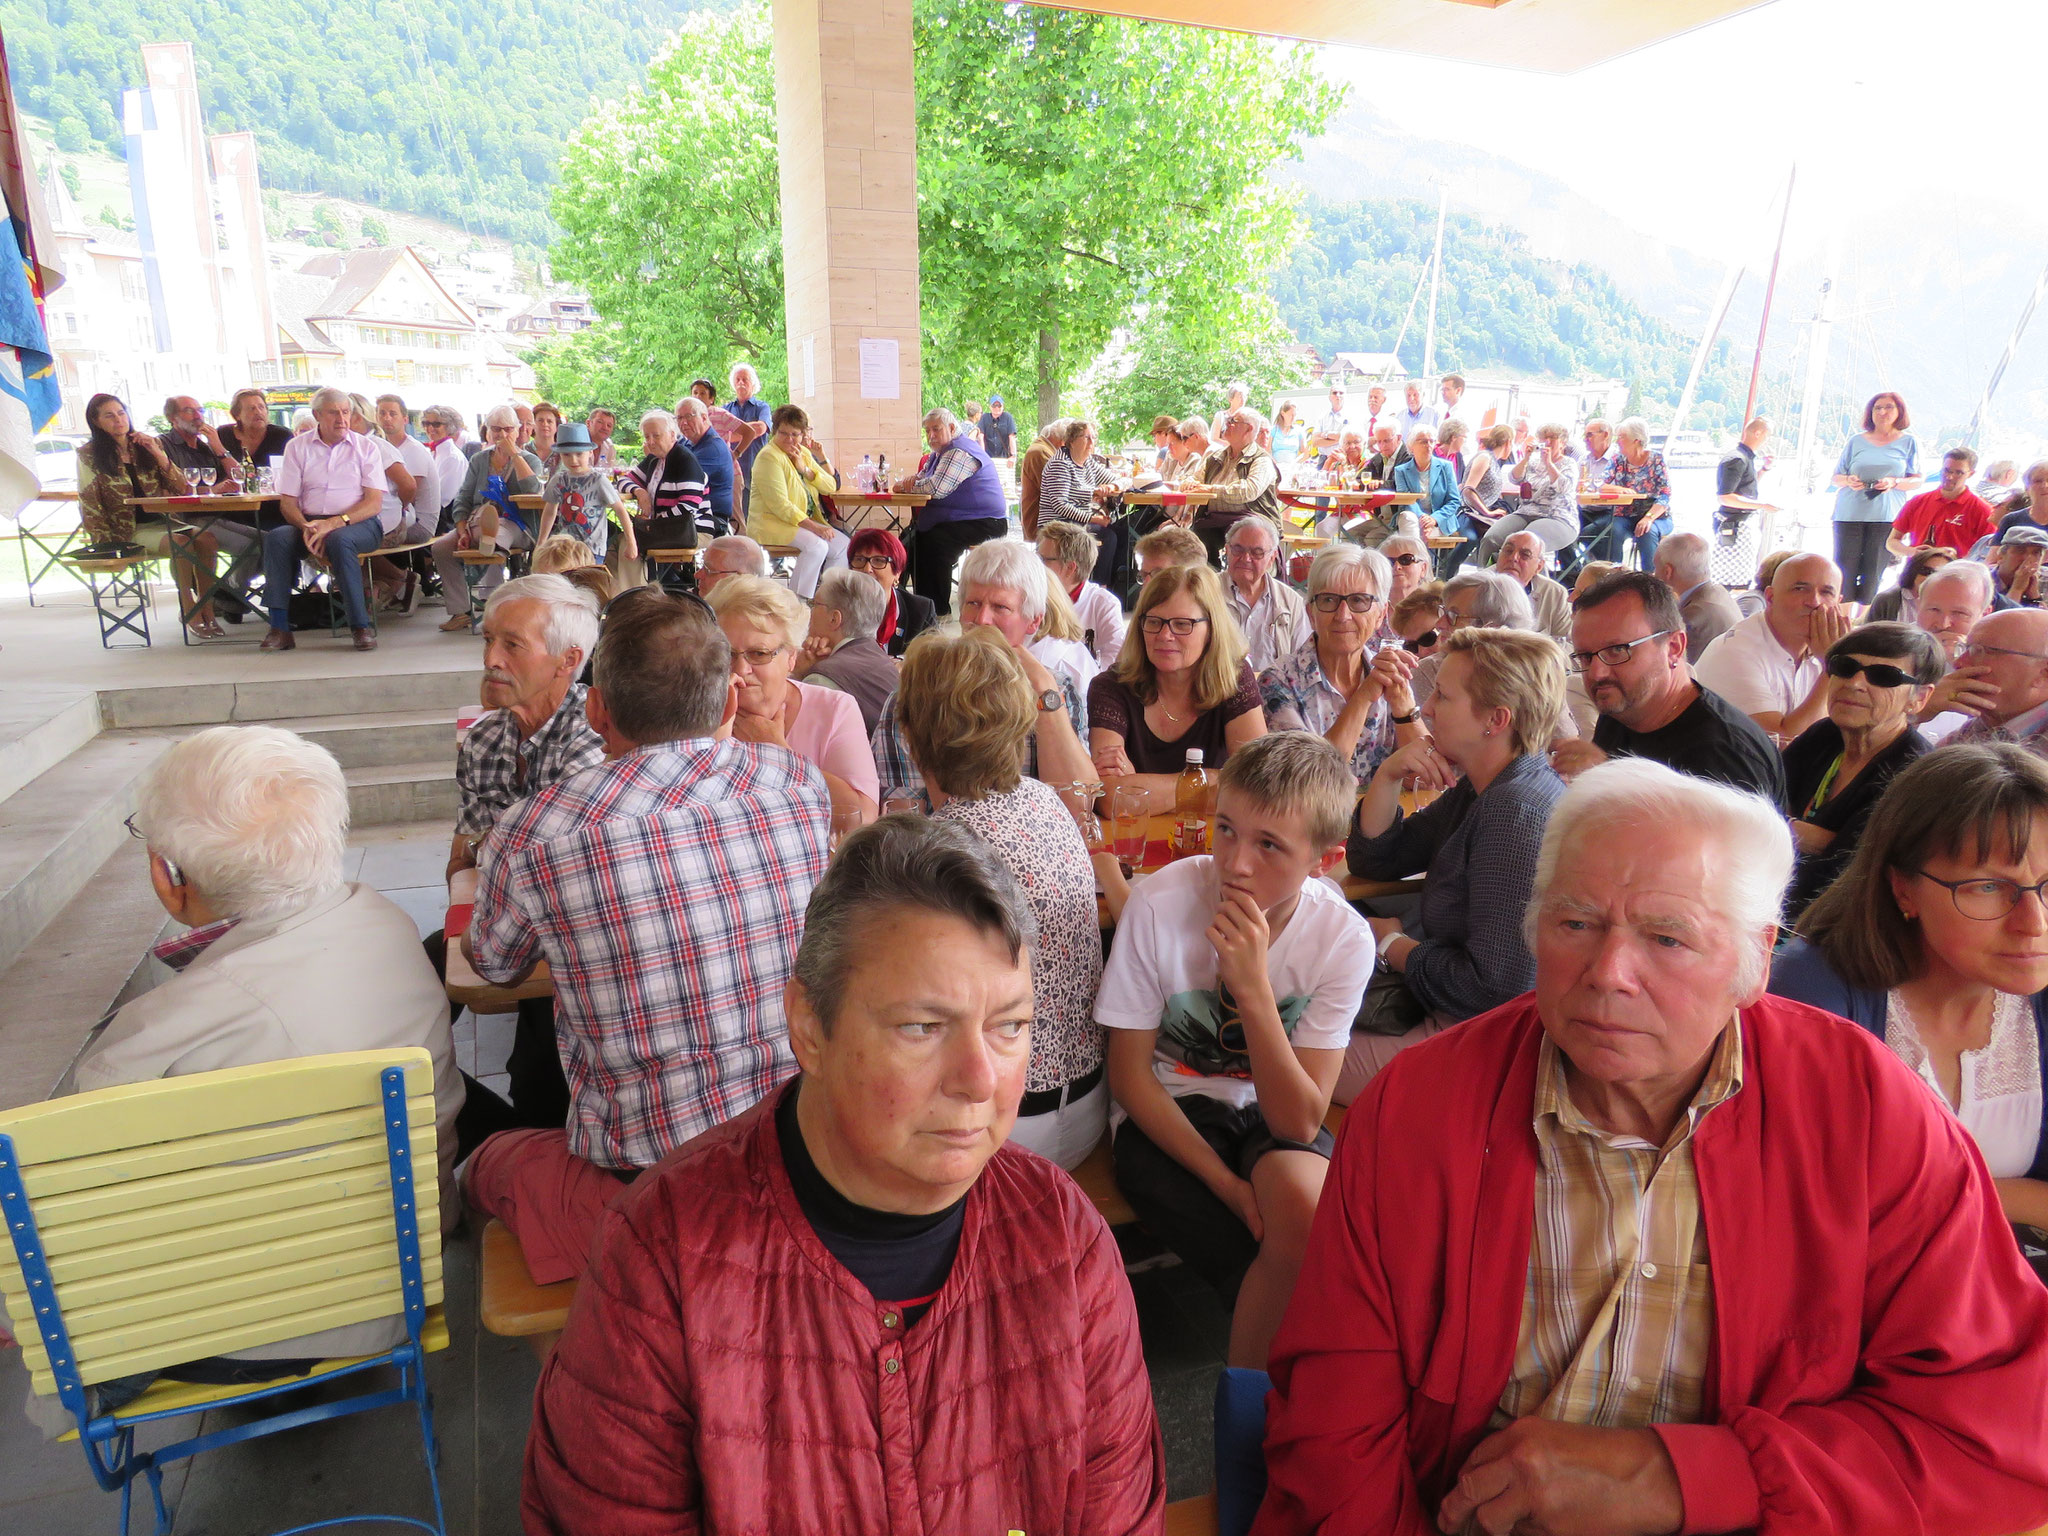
538	1089
935	551
1860	552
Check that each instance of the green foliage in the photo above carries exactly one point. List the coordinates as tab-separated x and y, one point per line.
671	221
327	228
1072	168
455	110
73	183
1185	370
73	136
375	230
1347	286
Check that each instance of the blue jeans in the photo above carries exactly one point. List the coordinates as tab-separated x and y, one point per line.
283	548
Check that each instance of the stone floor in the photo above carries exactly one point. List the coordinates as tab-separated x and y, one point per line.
483	1386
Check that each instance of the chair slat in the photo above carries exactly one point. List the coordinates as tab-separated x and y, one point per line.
45	1180
172	1108
60	1214
230	1335
87	1279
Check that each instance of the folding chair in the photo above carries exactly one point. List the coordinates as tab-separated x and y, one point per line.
177	1220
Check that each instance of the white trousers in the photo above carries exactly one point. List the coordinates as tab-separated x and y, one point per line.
454	590
1067	1134
814	557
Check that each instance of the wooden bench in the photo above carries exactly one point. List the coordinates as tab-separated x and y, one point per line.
476	565
662	561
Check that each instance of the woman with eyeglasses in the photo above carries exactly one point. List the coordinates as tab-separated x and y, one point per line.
1181	683
765	624
1935	938
1348	682
1497	704
1835	770
882	555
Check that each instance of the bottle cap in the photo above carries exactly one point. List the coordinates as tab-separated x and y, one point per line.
1194	757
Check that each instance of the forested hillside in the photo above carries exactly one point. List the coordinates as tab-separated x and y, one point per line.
1348	284
457	109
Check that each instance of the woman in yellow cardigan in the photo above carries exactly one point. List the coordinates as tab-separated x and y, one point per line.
790	474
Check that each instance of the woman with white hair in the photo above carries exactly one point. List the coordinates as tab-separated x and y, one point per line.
1348	682
483	512
1549	471
671	492
246	828
766	624
840	651
1638	468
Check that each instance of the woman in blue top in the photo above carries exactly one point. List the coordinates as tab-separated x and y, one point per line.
1440	497
1935	939
1289	434
1878	470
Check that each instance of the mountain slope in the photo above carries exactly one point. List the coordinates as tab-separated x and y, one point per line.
456	109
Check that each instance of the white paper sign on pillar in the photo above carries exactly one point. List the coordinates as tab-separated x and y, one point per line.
810	367
880	376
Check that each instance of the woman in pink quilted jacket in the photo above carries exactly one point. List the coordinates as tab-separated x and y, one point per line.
853	1308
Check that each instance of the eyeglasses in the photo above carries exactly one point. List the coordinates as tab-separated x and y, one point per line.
1406	559
1152	624
1330	602
1249	552
1987	900
873	563
1979	648
759	659
1880	675
1614	655
133	830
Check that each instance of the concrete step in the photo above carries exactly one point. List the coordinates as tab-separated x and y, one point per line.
39	728
381	740
57	830
418	791
92	956
229	702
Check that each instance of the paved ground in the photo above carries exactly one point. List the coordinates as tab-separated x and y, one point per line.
483	1386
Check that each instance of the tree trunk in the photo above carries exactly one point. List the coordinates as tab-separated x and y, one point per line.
1048	375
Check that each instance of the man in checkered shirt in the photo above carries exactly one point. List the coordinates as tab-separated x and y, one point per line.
666	890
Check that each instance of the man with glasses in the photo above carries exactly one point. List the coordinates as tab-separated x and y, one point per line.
1999	688
733	555
1521	559
1770	665
1270	612
1628	646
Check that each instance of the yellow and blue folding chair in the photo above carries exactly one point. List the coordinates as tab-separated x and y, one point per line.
172	1221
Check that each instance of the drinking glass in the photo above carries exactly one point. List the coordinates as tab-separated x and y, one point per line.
1129	812
204	478
843	824
1080	797
897	804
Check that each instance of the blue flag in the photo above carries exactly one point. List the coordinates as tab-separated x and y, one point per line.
21	327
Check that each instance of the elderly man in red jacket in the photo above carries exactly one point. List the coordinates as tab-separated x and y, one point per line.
1648	1251
852	1308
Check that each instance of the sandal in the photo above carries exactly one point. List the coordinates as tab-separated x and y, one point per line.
456	624
208	629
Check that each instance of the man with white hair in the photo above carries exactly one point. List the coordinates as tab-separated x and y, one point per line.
714	459
968	506
1682	564
1951	601
1772	665
1521	559
841	652
1415	414
1270	612
1245	478
247	828
1647	1250
330	485
1002	584
733	555
1336	422
1998	690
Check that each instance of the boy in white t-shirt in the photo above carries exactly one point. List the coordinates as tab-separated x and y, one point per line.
1229	996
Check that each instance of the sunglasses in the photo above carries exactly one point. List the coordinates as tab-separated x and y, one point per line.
1421	642
1407	559
1880	674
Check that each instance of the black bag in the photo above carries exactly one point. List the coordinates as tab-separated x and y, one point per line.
311	610
1388	1007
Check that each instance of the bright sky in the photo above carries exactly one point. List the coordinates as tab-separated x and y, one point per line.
1886	105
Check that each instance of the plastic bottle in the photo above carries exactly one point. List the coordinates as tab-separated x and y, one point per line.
1194	803
864	476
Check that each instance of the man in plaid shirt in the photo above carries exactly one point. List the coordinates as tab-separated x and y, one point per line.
666	890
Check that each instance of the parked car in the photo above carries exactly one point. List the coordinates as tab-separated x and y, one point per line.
57	460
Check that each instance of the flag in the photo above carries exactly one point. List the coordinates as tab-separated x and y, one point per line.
29	397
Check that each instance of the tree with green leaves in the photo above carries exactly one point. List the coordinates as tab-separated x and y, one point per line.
1188	371
1072	168
671	222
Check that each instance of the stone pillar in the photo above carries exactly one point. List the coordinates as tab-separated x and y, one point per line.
845	110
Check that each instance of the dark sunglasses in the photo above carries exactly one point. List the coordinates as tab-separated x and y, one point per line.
1407	559
1421	642
1880	675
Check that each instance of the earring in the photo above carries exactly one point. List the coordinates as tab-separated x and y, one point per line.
1908	915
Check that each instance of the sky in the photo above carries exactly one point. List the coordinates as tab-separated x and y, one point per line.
1885	104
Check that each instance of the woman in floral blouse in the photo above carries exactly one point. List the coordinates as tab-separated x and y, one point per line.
966	711
1638	468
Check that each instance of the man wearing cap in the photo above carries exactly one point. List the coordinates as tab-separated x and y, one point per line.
2016	581
998	429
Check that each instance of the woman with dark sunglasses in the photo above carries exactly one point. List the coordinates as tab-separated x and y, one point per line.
1835	769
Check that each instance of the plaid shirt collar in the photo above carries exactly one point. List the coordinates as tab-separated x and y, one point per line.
1555	1110
182	949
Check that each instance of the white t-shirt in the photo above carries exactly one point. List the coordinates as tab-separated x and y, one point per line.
1751	670
1162	975
391	510
419	463
1068	656
1102	616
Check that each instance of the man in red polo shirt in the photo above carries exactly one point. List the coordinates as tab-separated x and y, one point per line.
1952	516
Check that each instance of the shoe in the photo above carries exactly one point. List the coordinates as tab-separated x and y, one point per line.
455	624
278	640
366	639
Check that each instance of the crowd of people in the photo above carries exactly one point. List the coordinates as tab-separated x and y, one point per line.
1695	1166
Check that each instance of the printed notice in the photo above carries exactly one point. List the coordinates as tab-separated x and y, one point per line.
879	379
810	367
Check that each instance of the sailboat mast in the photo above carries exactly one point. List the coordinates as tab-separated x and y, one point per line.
1756	368
1817	361
1436	277
2006	357
1699	357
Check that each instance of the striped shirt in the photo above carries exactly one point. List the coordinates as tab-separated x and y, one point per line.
1066	490
1618	1309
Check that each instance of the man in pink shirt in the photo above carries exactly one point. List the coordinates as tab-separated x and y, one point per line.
331	484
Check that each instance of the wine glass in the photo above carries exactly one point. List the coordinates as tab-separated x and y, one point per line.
896	804
1079	798
204	478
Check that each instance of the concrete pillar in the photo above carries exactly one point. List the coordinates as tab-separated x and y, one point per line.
846	120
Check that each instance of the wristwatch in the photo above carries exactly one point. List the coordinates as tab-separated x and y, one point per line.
1407	719
1050	700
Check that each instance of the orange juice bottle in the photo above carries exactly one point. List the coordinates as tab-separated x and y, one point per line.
1194	803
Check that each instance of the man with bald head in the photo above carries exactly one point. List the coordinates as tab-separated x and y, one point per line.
1683	565
1771	665
1999	688
1521	559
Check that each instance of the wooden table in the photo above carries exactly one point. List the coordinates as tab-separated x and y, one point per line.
463	983
201	513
